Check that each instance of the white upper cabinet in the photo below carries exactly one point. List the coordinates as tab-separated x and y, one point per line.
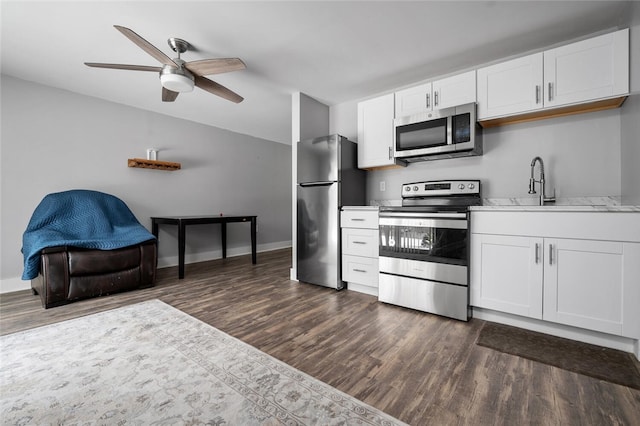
448	92
591	69
585	71
413	100
510	87
375	132
455	90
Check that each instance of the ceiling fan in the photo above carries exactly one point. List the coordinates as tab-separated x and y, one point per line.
176	75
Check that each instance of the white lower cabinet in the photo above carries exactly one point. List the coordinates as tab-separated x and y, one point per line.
585	283
507	274
360	270
360	249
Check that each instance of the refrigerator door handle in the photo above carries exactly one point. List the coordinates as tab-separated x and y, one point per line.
325	183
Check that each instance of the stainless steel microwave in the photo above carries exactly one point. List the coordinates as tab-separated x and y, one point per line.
445	133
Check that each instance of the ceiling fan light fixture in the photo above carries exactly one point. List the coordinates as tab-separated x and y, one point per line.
176	79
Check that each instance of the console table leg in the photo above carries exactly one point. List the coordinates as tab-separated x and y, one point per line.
181	246
253	240
223	227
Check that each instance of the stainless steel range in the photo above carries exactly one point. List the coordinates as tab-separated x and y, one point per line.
424	247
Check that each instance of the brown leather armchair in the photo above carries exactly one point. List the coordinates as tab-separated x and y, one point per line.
68	274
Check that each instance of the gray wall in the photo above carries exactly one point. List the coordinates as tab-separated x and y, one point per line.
630	126
53	140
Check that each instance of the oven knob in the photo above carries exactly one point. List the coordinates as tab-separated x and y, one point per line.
415	188
407	188
471	186
461	186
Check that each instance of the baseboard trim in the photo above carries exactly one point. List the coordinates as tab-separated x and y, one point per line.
169	261
10	285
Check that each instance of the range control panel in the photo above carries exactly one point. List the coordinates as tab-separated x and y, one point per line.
440	188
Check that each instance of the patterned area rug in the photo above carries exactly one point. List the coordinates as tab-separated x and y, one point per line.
606	364
150	363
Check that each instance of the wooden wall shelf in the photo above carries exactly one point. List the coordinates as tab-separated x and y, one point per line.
153	164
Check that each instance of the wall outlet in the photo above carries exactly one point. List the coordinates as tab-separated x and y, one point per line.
383	186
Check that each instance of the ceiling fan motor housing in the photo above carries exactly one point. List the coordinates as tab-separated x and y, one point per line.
177	79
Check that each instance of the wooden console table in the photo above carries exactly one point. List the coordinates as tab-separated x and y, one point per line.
183	221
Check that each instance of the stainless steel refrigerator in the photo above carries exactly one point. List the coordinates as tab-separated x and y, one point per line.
328	178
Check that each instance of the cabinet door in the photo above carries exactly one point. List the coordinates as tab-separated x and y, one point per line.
587	70
584	284
375	132
413	100
456	90
510	87
506	274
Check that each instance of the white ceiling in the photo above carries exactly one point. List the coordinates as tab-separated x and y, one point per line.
332	51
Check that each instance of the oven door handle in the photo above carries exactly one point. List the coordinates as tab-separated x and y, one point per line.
425	222
423	215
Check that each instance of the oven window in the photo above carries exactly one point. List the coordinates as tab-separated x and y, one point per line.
441	245
421	135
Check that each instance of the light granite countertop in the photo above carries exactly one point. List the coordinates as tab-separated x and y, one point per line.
559	208
569	204
575	204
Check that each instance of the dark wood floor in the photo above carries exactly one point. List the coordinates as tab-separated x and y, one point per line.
420	368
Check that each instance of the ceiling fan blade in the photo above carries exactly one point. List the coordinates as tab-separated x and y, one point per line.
123	67
169	95
217	89
146	46
215	66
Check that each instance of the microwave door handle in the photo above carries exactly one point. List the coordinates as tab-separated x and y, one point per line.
450	130
428	101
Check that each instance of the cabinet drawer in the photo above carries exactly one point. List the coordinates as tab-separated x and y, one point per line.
360	242
360	270
359	219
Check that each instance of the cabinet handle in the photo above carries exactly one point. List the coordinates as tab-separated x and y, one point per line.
537	253
428	100
359	242
435	98
550	90
357	219
550	254
537	94
390	157
359	270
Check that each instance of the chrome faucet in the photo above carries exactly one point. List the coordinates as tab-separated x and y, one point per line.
532	183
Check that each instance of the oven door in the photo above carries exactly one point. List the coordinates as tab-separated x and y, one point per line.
424	237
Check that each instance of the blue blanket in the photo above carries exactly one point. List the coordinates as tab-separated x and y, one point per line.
79	218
